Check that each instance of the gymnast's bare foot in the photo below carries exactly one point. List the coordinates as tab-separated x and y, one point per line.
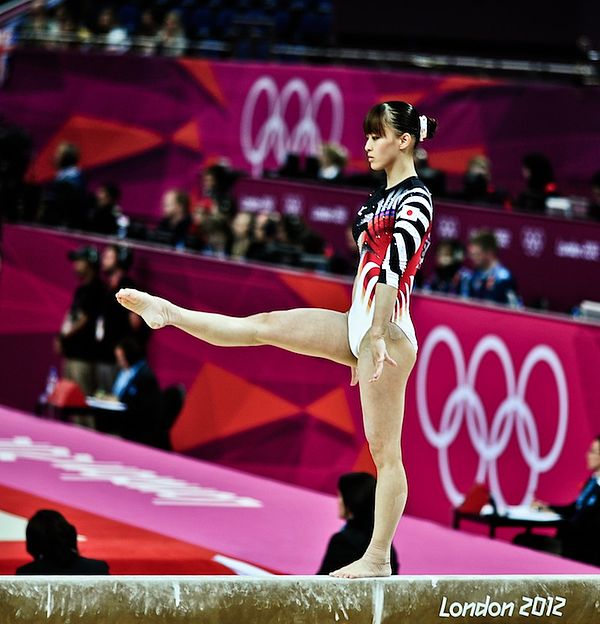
364	568
155	311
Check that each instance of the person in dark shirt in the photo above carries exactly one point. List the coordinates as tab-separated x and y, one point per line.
136	386
114	322
52	542
594	207
540	183
106	212
174	227
77	339
450	276
578	536
491	280
356	499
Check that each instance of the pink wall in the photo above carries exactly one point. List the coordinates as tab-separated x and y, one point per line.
497	395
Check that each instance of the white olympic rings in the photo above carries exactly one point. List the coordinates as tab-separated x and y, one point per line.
274	135
465	403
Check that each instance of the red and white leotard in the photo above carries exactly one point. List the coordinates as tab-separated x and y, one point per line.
392	232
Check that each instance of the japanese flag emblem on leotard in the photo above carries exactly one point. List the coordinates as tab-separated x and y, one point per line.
409	212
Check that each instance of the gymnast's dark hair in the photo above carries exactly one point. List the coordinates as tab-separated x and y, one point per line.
400	117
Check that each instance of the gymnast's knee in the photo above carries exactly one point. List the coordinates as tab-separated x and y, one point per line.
264	327
385	453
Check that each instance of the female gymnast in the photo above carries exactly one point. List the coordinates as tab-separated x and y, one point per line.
376	337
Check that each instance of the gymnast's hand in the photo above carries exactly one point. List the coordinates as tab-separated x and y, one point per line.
380	357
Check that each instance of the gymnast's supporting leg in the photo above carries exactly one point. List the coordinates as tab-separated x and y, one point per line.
383	411
316	332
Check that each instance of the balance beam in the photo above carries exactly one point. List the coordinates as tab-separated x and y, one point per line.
300	599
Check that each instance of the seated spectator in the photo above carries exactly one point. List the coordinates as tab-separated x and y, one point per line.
217	236
106	212
578	537
115	322
36	25
241	231
111	33
477	183
332	162
345	261
52	542
356	505
136	386
77	339
65	200
450	276
173	228
171	40
490	281
434	179
540	183
594	206
146	36
215	196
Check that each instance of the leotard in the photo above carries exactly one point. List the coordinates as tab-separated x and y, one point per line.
392	231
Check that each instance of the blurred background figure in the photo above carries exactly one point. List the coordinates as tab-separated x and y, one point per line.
136	386
114	323
174	226
450	276
490	281
241	232
170	39
356	505
114	37
77	340
477	182
594	205
106	212
65	200
434	179
578	537
52	542
332	162
540	183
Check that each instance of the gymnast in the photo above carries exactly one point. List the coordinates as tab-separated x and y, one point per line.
376	337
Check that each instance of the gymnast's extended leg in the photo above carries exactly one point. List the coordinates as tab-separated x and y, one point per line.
309	331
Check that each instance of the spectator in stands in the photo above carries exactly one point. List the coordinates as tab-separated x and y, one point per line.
171	40
115	323
490	281
332	162
540	183
106	212
241	230
77	339
578	537
594	206
111	33
217	233
450	276
477	182
215	196
345	261
434	179
65	200
52	542
145	40
35	26
356	505
173	228
136	386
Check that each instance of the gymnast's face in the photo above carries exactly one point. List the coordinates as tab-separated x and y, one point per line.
383	151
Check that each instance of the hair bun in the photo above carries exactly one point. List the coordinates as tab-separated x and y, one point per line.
432	125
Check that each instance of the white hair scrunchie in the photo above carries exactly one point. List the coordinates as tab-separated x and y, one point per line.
422	127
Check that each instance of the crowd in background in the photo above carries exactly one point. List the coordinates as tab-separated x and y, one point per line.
242	28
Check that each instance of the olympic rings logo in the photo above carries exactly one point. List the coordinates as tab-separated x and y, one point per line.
274	135
465	405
